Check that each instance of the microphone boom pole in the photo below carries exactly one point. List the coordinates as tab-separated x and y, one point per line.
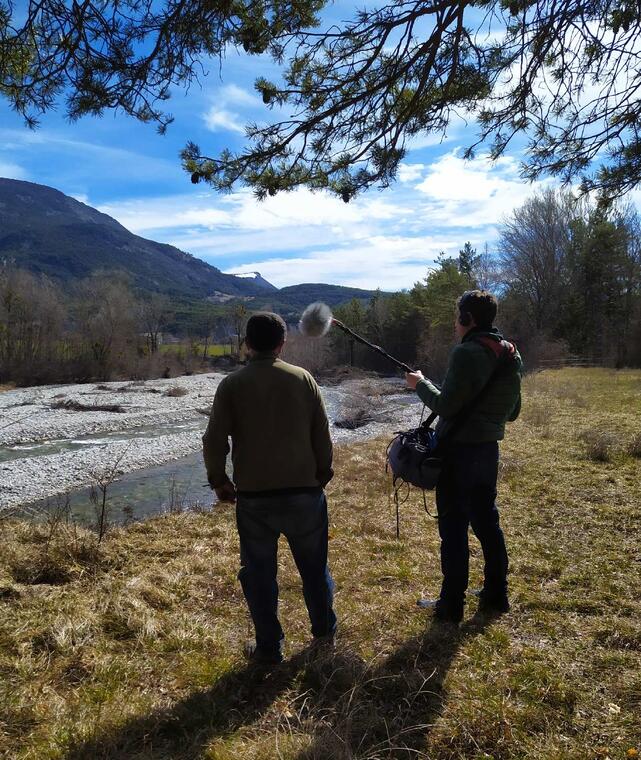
317	319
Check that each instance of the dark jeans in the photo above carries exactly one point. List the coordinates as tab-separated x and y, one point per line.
302	519
466	495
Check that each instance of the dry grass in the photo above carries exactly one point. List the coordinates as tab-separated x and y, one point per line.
634	447
76	406
600	445
176	391
135	651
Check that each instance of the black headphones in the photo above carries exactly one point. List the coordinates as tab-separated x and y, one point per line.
464	317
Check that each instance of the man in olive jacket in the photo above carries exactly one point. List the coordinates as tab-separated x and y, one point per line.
282	459
485	367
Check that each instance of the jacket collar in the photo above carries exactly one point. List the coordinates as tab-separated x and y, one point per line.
264	356
476	332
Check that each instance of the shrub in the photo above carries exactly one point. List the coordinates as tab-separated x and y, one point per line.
536	414
353	418
634	447
176	391
508	466
77	406
600	445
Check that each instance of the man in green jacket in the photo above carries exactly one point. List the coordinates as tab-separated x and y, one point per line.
282	459
486	366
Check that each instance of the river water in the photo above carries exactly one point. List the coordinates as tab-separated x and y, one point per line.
182	483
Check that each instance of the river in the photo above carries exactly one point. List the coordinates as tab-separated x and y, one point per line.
51	452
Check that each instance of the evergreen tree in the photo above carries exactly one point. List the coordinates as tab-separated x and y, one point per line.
435	298
354	93
353	315
468	261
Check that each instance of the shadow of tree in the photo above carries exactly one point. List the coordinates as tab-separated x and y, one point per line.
385	709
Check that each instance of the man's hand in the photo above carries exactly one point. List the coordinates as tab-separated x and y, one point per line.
226	492
412	378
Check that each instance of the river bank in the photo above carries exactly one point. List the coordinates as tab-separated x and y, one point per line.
54	439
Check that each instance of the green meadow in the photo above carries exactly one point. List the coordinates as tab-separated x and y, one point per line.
132	648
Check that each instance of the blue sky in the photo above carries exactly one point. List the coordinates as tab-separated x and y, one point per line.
385	239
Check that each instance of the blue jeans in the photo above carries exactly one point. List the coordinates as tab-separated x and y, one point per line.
466	495
302	519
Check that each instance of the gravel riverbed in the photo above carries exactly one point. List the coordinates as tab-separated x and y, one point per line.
29	415
36	429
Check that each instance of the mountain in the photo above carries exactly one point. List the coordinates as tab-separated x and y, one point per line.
46	231
289	302
332	295
256	278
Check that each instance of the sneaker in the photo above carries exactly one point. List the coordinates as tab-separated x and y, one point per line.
261	657
441	611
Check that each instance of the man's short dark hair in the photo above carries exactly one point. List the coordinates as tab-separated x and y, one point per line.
265	331
480	305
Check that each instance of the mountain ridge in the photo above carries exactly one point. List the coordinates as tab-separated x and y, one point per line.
48	232
44	230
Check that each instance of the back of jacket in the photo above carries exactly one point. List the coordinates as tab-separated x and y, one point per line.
274	413
471	365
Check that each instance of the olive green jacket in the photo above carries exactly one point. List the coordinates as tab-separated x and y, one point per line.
274	414
470	366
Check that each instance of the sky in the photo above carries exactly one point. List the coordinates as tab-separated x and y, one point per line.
382	239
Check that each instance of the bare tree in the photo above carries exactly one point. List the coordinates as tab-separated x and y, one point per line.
31	324
533	245
102	480
239	317
107	319
154	313
486	272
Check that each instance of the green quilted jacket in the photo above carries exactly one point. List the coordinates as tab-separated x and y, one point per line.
471	364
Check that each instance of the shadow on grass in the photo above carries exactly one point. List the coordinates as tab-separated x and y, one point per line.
386	709
355	709
183	730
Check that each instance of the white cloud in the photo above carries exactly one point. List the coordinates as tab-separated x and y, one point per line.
303	236
231	93
242	212
223	114
113	161
11	170
218	119
228	231
474	193
410	172
389	263
426	140
385	239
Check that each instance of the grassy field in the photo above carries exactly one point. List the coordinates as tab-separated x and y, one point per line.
214	349
133	649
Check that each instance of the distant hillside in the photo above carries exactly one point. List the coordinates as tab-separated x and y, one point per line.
256	278
48	232
301	295
45	231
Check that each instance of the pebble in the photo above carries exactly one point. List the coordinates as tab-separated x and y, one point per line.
27	417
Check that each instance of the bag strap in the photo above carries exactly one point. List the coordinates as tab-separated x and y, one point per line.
504	351
427	424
